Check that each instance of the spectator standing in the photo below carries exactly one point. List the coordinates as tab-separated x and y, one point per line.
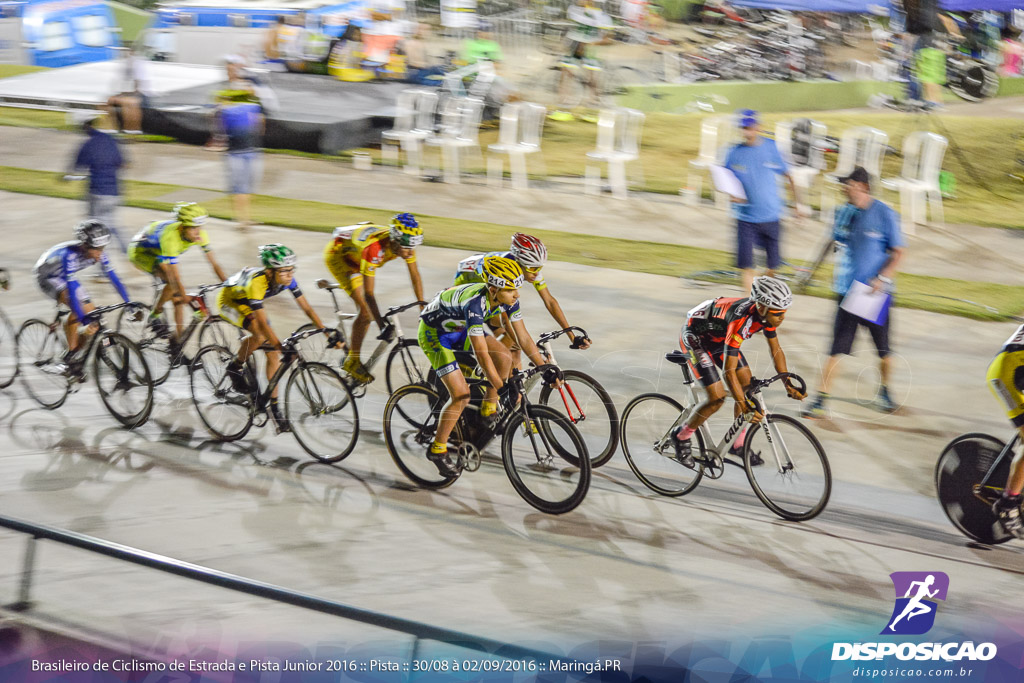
100	156
757	162
872	246
240	118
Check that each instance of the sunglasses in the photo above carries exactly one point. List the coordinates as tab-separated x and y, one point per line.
532	271
774	312
286	271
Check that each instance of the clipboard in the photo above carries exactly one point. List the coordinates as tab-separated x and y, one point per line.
872	307
726	181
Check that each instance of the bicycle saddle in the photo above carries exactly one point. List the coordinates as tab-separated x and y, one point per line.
677	357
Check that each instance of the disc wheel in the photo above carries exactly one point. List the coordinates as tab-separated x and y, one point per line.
961	467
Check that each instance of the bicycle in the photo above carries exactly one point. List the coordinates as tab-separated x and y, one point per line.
122	376
578	391
970	475
406	364
205	328
646	442
318	404
542	452
8	346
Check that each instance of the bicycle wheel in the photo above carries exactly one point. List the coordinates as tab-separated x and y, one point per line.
963	464
410	422
156	350
535	463
321	411
123	379
40	349
644	431
8	351
406	364
217	331
590	409
227	415
314	348
794	480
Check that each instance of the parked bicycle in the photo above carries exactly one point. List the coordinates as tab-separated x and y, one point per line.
543	453
8	339
122	376
318	406
969	477
784	462
202	330
405	364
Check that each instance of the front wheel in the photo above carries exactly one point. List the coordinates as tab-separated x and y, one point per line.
546	460
647	445
123	379
8	352
590	409
321	411
787	468
227	414
962	466
407	364
410	422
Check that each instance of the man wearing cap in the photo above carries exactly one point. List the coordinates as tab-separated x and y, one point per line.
868	231
101	157
756	162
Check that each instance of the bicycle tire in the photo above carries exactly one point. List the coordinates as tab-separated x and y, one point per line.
39	346
409	432
601	449
557	428
123	359
961	465
651	423
402	367
216	331
339	437
772	501
208	377
156	350
8	351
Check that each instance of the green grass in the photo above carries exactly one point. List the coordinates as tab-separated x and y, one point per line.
915	291
7	70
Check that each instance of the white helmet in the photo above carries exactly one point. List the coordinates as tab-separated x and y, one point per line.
771	292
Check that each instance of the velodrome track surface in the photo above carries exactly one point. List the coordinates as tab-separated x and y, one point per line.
626	565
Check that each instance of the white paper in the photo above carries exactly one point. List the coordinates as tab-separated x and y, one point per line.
863	303
726	181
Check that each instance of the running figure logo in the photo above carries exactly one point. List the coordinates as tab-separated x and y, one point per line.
914	612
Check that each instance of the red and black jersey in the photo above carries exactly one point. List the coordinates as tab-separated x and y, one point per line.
726	322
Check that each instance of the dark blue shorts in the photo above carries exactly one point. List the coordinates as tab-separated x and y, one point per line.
764	235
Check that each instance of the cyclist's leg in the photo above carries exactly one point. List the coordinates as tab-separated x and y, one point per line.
442	360
1006	380
71	321
362	321
502	359
703	363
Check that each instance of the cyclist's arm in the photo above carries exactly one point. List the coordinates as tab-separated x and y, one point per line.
551	303
732	380
217	270
108	268
262	325
479	344
525	342
308	310
417	281
778	357
367	301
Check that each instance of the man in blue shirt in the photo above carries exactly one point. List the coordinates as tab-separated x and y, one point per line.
868	231
756	162
101	156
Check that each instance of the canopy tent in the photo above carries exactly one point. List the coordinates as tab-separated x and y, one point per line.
861	6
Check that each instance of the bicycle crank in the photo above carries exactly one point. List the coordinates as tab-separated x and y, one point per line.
468	457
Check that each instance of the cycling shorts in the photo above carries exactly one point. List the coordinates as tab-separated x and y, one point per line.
236	313
440	348
1006	380
706	358
143	259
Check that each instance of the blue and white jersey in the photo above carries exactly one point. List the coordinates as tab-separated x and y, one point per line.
61	263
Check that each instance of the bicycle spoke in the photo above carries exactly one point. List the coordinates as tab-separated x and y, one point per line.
798	484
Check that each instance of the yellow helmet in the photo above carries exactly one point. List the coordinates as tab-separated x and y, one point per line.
503	273
190	214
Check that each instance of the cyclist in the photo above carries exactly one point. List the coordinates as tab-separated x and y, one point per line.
353	256
241	303
155	250
56	271
454	321
712	336
1006	380
531	254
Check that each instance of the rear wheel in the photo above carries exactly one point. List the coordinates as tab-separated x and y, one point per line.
41	350
410	422
536	454
123	379
156	350
216	330
646	443
227	414
962	466
8	351
321	411
590	409
407	364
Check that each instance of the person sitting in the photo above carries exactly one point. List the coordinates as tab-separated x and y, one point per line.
418	67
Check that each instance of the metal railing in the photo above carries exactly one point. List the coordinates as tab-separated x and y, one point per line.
418	630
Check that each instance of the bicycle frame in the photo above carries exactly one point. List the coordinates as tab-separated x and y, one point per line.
198	305
1007	452
544	346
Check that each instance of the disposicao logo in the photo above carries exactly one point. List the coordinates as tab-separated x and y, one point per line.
913	614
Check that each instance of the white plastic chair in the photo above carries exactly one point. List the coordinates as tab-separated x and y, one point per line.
519	134
918	182
860	146
618	142
717	133
802	172
414	123
460	128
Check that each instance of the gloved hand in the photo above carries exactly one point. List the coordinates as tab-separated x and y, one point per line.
387	334
136	312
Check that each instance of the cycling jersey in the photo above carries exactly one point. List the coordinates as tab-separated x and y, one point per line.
358	251
455	315
161	242
726	322
471	270
1006	377
245	292
56	269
